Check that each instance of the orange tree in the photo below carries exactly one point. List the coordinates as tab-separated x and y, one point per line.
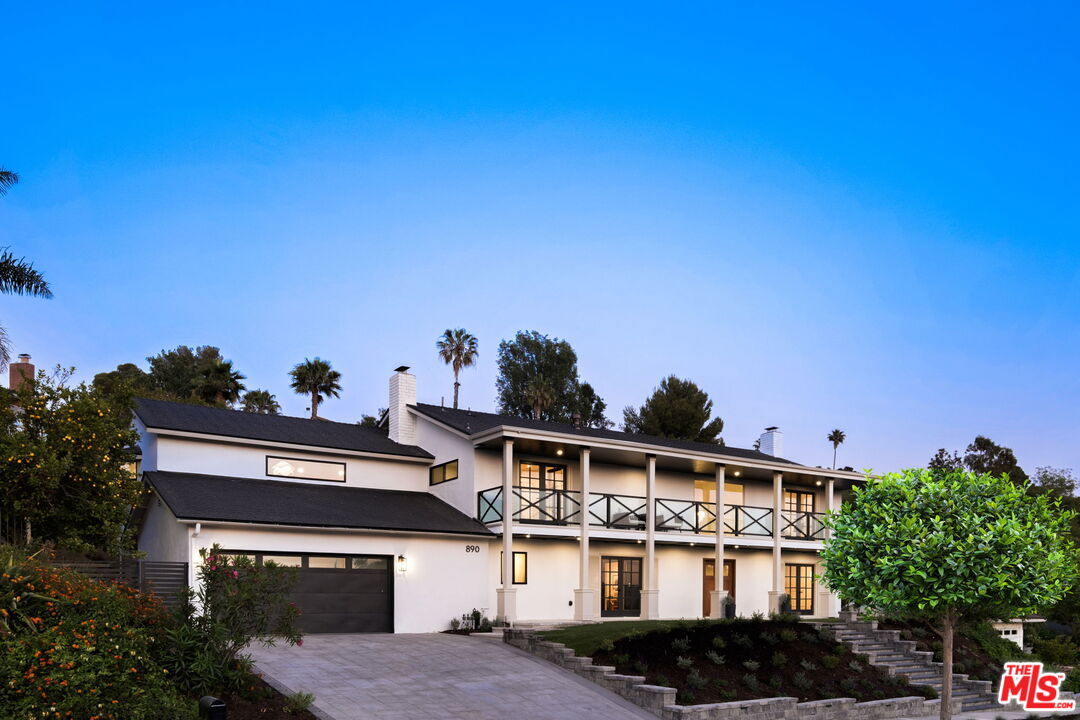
72	647
948	547
66	454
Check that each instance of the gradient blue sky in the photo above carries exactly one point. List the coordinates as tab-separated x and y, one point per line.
826	215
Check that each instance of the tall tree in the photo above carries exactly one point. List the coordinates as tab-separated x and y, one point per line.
587	408
836	437
175	372
985	456
532	356
457	348
540	395
949	547
123	383
18	277
8	178
945	462
677	409
317	379
217	383
260	401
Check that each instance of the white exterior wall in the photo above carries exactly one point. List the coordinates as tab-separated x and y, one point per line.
235	460
162	538
446	446
442	580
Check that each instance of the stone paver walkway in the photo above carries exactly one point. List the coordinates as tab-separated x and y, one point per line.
417	677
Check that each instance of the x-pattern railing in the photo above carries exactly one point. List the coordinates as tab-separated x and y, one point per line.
558	507
748	520
685	516
802	525
624	512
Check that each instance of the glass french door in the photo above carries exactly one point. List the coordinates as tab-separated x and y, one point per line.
541	489
799	586
620	587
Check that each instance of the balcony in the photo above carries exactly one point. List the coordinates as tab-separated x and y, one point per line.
628	512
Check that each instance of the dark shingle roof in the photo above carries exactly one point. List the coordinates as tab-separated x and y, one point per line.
209	498
164	415
471	422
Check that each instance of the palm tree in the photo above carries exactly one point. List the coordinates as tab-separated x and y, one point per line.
318	379
218	384
7	179
261	401
836	437
17	277
540	395
457	348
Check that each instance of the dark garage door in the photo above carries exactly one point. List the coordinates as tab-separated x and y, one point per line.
341	593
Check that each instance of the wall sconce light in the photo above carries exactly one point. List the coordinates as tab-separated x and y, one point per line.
402	564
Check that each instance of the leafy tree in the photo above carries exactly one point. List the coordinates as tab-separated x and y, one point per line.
534	367
587	408
985	456
676	409
317	379
66	454
457	348
17	277
176	372
371	421
217	383
8	178
949	547
260	401
836	437
123	383
945	462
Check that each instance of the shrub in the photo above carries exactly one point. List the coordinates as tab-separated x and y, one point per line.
830	661
742	641
687	697
808	666
849	686
681	644
714	657
718	642
684	662
751	665
855	666
769	638
751	682
298	702
788	635
776	681
801	681
840	649
236	604
455	624
728	695
80	648
662	680
641	667
620	658
779	659
695	680
1072	681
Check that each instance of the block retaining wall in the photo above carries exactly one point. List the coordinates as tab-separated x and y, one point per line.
660	701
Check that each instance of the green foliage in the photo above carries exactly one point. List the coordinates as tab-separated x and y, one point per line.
298	702
538	377
66	453
801	681
779	659
830	661
1054	649
680	644
641	667
719	643
807	665
788	635
770	638
317	379
742	641
923	544
76	647
1072	681
684	662
237	603
676	409
752	665
695	680
714	657
260	401
199	376
458	349
982	457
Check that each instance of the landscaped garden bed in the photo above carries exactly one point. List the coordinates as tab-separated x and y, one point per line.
977	650
732	660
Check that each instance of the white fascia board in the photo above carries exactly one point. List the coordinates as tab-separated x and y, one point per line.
610	444
318	528
439	424
315	449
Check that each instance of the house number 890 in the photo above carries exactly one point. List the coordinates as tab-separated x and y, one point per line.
472	548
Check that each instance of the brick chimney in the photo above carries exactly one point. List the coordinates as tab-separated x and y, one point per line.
20	372
402	394
772	442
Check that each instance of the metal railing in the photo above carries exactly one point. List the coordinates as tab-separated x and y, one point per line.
628	512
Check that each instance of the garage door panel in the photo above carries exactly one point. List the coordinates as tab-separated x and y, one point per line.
336	600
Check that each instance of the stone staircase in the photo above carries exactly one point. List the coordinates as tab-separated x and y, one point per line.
885	649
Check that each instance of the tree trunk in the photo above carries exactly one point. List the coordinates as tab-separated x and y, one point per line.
29	536
456	386
948	626
314	405
833	457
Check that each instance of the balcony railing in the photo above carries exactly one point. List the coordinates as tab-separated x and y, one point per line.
628	512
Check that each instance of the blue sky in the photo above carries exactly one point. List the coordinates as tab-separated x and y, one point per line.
826	215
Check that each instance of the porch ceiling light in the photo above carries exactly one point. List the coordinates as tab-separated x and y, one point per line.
818	483
402	564
738	473
559	451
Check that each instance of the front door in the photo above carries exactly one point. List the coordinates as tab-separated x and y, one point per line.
620	587
708	582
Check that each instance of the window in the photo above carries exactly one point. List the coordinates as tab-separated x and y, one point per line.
316	561
705	491
305	469
284	560
799	586
442	473
798	501
521	567
541	491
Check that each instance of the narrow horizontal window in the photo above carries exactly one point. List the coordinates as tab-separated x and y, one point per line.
317	561
442	473
283	560
305	469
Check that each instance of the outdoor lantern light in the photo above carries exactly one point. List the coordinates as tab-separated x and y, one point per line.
402	564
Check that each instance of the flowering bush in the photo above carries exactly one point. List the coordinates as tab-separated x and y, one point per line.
237	602
73	647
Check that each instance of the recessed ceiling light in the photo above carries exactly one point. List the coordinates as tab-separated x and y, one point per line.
738	473
559	451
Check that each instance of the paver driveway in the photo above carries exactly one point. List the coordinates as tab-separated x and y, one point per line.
407	677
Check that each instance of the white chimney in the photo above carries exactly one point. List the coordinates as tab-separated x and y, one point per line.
772	442
402	394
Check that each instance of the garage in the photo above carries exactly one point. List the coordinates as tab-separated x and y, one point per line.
341	593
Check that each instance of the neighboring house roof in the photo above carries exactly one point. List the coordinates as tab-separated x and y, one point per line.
165	415
209	498
472	422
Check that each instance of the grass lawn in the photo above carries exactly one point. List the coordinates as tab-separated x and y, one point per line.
587	639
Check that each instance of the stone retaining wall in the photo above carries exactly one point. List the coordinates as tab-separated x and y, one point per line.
661	700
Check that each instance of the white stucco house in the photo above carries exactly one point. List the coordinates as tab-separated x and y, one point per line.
440	511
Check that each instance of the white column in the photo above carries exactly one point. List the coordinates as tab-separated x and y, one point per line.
584	596
651	593
829	602
719	594
777	566
507	594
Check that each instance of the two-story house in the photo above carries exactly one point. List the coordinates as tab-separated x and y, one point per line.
441	511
